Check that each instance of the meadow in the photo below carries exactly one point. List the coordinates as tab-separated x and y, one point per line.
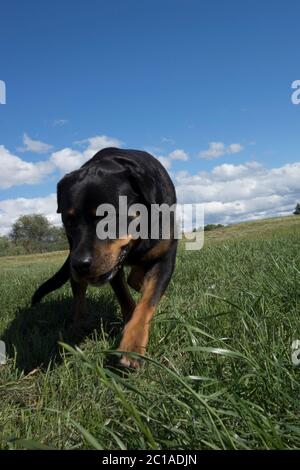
218	372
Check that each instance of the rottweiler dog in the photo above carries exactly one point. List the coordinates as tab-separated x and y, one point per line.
111	173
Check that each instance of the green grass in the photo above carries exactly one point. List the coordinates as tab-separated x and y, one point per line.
219	373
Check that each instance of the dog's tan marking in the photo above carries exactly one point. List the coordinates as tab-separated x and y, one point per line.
107	253
120	242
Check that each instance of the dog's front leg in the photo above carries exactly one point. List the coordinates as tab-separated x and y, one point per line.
120	288
79	302
136	331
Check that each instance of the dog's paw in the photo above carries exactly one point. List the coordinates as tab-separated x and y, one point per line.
133	346
131	355
130	362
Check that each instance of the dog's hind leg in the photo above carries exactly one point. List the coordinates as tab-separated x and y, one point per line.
120	288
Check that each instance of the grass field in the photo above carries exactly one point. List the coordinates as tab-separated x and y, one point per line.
219	373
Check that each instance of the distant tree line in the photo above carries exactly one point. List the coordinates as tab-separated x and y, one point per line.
297	209
33	234
209	227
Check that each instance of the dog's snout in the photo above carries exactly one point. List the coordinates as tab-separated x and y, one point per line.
82	265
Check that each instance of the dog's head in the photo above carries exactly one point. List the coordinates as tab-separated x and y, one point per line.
79	195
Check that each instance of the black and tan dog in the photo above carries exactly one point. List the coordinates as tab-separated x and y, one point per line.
109	174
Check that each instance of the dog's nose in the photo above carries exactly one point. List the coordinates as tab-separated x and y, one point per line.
82	265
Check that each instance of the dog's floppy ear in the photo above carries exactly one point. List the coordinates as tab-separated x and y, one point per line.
61	187
58	199
145	185
59	196
142	180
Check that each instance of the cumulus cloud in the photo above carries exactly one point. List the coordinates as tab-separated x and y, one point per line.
218	149
232	193
99	142
60	122
227	171
15	171
67	160
177	154
18	171
35	146
165	161
168	140
11	209
234	148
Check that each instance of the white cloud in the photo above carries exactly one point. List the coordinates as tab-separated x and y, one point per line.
234	148
168	140
215	150
231	193
97	143
165	161
251	209
218	149
227	171
177	154
19	171
35	146
15	171
67	160
60	122
11	209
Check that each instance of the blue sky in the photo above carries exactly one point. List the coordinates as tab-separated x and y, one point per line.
204	85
